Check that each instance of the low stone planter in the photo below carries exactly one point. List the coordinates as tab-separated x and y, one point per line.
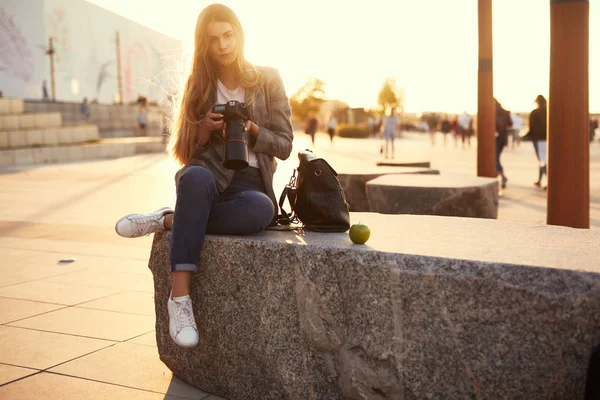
413	164
446	195
354	182
430	308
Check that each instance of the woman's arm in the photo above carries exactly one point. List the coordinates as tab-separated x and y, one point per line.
276	141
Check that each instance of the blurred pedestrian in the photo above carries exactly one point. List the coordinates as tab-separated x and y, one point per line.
142	117
446	128
332	127
503	123
515	129
85	110
464	127
389	128
538	135
45	96
311	128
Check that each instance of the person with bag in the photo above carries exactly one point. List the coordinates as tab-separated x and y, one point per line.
537	134
211	198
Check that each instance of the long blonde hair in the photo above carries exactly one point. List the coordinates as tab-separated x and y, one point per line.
196	97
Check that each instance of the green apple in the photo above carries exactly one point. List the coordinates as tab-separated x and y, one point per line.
359	233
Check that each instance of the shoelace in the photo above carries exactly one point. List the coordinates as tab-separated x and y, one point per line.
145	225
184	314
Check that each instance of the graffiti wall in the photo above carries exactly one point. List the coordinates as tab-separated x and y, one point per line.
23	64
85	58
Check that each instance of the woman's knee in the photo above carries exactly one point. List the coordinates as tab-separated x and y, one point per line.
196	177
261	210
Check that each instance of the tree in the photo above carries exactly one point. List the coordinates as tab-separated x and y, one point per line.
390	95
308	99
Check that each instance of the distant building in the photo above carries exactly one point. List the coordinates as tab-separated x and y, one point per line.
85	52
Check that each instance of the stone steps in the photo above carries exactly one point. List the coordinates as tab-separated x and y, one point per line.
13	122
100	149
48	136
11	106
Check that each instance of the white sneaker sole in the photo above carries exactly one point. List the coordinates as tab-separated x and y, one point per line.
160	210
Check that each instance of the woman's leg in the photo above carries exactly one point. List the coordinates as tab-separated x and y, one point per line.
242	214
196	194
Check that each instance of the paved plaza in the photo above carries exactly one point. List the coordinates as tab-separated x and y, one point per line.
76	300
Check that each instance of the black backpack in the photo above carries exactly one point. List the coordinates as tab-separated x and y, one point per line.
315	196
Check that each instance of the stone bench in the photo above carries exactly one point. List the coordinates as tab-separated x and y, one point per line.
414	164
353	180
430	308
446	195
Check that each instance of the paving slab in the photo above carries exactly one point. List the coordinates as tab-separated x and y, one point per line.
127	302
41	350
9	373
94	278
147	339
56	293
131	365
13	309
97	324
57	387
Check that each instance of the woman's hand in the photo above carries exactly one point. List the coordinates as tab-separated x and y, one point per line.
251	128
212	122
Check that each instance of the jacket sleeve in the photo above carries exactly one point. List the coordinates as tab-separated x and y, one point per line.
277	140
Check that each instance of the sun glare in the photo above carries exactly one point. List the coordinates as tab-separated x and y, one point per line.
430	47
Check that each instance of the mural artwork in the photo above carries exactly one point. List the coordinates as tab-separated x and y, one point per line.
15	57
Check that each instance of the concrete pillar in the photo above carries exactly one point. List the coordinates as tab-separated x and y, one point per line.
486	111
568	115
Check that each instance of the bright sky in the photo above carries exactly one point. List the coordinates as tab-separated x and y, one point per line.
429	46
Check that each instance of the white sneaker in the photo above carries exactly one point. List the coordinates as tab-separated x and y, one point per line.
182	325
136	225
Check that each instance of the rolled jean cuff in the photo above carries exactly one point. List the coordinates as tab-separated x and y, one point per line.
184	267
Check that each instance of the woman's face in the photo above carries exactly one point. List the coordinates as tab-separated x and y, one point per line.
222	44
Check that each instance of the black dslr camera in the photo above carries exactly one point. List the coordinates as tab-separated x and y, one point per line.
236	139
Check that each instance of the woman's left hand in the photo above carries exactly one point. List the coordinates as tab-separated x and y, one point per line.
251	128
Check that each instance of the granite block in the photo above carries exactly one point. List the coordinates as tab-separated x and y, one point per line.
497	310
354	183
444	195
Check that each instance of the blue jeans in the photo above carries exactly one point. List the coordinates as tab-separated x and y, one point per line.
501	142
389	140
243	208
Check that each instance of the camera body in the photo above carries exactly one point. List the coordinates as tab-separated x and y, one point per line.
234	114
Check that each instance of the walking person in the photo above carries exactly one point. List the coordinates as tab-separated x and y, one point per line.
445	127
464	126
211	198
538	136
503	123
389	128
311	128
332	127
142	117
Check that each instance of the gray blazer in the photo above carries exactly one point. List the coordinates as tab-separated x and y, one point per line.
272	113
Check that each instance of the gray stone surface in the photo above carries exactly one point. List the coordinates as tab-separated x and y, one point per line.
414	164
354	178
429	308
446	195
